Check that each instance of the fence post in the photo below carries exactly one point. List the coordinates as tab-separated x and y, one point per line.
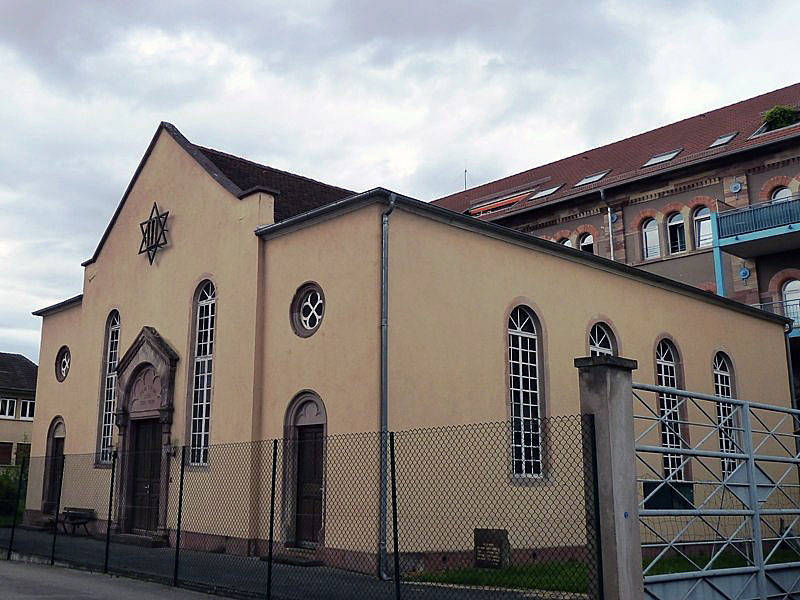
606	393
395	541
22	472
58	507
110	506
271	520
180	517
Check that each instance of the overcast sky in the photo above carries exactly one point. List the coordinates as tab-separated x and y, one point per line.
358	93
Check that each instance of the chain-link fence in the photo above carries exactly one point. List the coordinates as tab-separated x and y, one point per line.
436	513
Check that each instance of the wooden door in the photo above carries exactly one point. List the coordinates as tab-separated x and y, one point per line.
310	447
146	477
55	464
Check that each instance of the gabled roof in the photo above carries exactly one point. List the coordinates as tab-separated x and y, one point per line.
54	308
493	230
17	372
626	158
294	194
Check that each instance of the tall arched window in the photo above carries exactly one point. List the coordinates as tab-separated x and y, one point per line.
779	194
110	358
702	227
587	243
676	233
669	406
727	414
602	341
791	300
205	323
525	392
650	240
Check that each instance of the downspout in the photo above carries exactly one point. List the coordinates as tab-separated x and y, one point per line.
610	223
789	364
384	410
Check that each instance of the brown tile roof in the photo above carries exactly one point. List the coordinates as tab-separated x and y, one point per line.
295	194
626	158
17	372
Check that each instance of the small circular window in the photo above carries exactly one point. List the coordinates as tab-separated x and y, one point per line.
63	360
308	308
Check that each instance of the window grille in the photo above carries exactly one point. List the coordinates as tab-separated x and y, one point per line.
669	410
203	372
525	389
727	414
601	341
109	387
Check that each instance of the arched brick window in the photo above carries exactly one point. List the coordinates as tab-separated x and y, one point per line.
727	414
205	308
109	398
669	408
651	242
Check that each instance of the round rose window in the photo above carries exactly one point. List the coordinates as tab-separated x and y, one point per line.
308	308
63	360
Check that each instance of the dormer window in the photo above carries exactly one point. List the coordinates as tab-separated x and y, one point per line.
593	177
547	192
663	157
723	139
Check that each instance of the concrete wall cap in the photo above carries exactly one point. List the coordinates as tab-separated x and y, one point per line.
606	361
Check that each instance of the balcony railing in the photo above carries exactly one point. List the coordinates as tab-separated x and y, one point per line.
758	217
785	308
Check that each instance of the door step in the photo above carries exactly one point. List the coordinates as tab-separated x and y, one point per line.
298	557
133	539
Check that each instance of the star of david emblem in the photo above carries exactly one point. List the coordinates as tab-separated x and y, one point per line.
154	233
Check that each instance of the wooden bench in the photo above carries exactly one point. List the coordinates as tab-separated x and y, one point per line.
77	517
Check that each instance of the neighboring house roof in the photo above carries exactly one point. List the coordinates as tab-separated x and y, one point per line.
17	372
53	308
624	160
294	194
513	236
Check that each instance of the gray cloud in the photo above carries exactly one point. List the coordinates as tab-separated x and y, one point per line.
357	93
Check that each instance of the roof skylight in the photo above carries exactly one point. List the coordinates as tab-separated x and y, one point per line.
723	139
592	178
547	192
663	157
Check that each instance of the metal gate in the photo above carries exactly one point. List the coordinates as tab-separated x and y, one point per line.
719	496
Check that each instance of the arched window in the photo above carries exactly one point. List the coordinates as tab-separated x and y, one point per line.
205	328
650	239
676	233
702	227
779	194
727	414
669	406
525	392
565	242
601	341
53	465
109	401
586	243
791	300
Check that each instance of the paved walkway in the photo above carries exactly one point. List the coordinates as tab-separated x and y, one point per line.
236	575
21	581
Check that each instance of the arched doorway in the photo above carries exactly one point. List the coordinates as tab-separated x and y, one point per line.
54	465
304	452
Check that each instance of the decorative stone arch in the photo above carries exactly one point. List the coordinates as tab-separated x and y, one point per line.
603	320
699	201
564	233
53	463
583	229
305	409
639	221
778	280
770	184
145	385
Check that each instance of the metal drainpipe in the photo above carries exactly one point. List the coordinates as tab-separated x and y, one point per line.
791	368
384	386
610	224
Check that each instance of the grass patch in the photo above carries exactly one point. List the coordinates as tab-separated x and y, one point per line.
726	560
566	576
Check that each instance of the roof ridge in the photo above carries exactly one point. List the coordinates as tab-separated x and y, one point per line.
263	166
619	141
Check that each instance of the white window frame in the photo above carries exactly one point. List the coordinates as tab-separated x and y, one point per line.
662	157
790	295
565	242
8	408
525	393
110	360
27	409
669	406
646	249
601	341
702	219
202	373
727	414
723	139
779	190
592	178
676	228
546	192
587	239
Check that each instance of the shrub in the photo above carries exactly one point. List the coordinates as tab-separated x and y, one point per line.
780	116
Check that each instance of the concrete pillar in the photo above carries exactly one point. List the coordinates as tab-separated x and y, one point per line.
605	392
